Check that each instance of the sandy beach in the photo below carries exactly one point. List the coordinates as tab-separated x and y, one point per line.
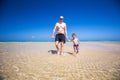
39	61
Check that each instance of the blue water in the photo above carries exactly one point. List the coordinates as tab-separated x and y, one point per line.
113	41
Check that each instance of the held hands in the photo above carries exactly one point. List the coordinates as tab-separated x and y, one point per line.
68	38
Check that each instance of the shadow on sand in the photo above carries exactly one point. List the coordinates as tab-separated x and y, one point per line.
69	53
55	52
52	51
1	78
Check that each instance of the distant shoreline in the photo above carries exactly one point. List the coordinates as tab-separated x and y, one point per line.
54	40
113	41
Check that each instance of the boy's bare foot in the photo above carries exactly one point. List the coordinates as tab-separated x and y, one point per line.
74	54
77	52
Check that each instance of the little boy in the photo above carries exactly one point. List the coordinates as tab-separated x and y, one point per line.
76	43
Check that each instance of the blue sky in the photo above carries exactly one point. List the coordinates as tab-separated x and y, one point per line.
33	20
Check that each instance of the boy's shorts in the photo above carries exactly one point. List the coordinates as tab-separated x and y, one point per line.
60	38
76	46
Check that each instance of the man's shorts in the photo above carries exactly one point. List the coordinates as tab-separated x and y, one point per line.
60	38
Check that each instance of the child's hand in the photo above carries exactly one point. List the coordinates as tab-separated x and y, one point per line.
68	40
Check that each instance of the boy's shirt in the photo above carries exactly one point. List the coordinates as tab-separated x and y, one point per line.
75	41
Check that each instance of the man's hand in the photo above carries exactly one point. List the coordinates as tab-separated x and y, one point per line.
53	36
66	37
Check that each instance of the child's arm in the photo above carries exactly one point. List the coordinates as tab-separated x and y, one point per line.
78	41
70	40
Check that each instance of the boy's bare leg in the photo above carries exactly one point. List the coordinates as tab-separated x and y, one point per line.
57	46
61	48
74	52
77	52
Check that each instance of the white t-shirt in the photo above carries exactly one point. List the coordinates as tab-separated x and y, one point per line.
60	27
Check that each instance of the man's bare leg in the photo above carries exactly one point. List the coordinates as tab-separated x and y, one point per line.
61	48
57	46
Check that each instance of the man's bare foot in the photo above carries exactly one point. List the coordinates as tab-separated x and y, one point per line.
62	53
58	52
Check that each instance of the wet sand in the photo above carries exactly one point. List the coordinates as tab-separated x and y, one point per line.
39	61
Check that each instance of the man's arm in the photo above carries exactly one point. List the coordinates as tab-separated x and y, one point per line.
66	32
53	31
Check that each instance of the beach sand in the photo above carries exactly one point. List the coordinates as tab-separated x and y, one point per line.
39	61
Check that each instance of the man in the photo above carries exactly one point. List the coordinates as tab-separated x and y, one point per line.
60	39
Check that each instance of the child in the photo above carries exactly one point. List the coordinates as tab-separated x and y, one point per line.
76	43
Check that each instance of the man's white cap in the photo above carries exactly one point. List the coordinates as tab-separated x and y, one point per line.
61	17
